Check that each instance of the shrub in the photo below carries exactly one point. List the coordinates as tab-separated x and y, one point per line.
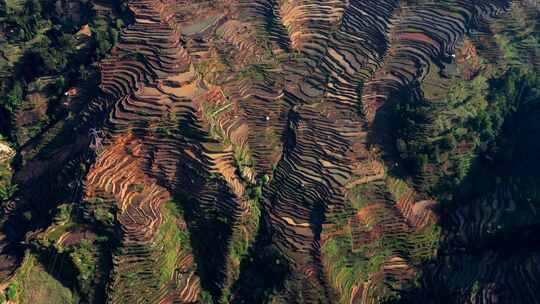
13	98
12	291
6	192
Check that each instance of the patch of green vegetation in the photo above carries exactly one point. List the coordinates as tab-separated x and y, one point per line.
63	213
44	44
254	72
212	113
396	186
242	158
511	158
85	259
12	291
272	137
84	256
240	245
247	226
13	97
517	38
202	68
425	243
136	187
7	191
438	140
7	188
475	290
171	240
165	129
205	297
357	196
348	268
211	68
99	213
242	238
32	284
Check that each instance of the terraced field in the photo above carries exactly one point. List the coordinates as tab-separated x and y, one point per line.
291	151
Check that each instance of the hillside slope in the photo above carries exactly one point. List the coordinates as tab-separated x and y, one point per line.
269	151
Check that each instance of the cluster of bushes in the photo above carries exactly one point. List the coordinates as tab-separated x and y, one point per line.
172	240
86	263
99	213
438	140
84	258
7	189
49	47
10	293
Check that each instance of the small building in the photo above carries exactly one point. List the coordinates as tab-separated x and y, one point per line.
84	31
72	92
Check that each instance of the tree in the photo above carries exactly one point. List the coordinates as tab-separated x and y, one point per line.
3	12
33	7
401	146
103	45
421	161
6	192
11	291
60	85
13	98
449	142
